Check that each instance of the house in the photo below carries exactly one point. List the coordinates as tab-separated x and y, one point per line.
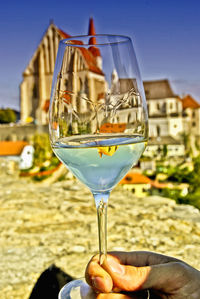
141	185
18	151
170	117
164	109
136	182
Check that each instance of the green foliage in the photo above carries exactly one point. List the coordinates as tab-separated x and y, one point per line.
7	116
171	193
192	199
194	179
43	151
179	174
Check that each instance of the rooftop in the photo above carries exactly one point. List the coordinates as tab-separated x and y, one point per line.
189	102
158	89
135	178
12	148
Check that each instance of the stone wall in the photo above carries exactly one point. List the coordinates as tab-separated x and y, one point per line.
20	132
41	224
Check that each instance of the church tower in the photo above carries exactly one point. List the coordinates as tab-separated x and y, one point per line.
94	50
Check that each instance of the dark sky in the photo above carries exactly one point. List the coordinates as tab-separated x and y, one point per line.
165	33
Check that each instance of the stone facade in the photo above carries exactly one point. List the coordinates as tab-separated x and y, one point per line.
37	77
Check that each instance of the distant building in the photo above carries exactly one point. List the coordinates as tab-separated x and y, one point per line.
37	77
170	117
136	182
18	151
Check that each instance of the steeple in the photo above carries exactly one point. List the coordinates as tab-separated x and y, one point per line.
92	41
91	31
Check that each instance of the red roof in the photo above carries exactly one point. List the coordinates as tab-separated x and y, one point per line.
12	148
91	61
63	34
135	178
89	54
189	102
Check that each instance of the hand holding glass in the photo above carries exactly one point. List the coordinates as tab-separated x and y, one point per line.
98	116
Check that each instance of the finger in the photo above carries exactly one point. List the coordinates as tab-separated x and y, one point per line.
142	258
165	277
97	277
125	277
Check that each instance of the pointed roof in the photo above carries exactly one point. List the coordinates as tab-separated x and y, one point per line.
91	29
158	89
88	54
189	102
62	33
92	41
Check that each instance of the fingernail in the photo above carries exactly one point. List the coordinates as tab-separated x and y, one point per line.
97	282
116	267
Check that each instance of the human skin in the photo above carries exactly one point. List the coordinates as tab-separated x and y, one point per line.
133	273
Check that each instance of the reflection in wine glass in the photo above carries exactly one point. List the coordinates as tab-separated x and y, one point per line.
98	116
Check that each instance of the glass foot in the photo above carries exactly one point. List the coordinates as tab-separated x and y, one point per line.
76	289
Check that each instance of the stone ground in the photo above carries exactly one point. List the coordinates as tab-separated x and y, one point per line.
41	224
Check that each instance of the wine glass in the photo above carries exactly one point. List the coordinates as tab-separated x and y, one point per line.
98	120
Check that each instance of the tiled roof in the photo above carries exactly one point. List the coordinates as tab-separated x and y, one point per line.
158	89
91	61
135	178
62	33
88	54
189	102
12	148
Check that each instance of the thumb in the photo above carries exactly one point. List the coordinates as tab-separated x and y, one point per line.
130	278
125	277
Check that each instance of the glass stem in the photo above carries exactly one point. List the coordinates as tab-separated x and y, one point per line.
101	201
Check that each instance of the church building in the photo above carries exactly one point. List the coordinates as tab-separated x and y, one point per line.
35	88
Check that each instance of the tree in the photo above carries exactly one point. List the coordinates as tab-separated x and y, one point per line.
7	116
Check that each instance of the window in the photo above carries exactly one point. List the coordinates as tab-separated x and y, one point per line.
158	130
193	124
133	190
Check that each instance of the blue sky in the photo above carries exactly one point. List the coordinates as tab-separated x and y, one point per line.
166	36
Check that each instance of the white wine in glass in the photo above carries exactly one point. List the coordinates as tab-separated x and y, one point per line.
98	120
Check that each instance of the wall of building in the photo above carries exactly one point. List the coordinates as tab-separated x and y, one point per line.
20	132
